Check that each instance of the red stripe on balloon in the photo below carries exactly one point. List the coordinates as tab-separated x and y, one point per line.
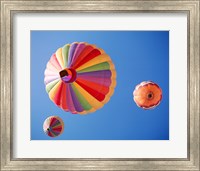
50	134
63	100
96	94
57	129
58	94
100	87
52	121
94	53
82	55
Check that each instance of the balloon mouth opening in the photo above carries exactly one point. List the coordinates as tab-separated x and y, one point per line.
68	75
150	96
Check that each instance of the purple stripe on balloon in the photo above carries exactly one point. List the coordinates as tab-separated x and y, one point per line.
98	80
70	104
103	73
71	53
77	52
77	104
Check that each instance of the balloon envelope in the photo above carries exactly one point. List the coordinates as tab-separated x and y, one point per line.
80	78
147	95
53	126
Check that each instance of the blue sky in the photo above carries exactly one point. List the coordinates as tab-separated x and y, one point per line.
137	55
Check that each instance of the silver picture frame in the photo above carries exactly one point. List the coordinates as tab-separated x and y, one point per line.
10	8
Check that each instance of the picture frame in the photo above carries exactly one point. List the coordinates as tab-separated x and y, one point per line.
11	8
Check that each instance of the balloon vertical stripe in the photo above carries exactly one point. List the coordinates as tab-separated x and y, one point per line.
97	60
71	53
60	57
77	52
65	53
54	61
70	103
97	67
58	93
82	55
76	103
94	53
84	103
63	98
51	85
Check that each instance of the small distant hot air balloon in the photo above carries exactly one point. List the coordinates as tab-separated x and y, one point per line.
53	126
80	78
147	95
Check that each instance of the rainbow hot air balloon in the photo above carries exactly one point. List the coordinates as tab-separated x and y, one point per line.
147	95
53	126
80	78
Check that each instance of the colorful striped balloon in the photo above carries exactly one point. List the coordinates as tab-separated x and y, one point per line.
80	78
147	95
53	126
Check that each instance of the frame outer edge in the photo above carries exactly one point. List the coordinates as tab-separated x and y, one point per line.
194	49
5	86
6	92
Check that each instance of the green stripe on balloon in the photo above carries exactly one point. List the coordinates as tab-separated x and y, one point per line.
98	67
65	51
51	85
84	103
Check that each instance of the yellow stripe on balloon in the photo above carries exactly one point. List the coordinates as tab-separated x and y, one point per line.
97	60
91	100
60	57
112	66
54	90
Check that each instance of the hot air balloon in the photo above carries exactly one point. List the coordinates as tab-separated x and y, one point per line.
147	95
53	126
80	78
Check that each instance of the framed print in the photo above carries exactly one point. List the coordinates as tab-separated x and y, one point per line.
99	85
